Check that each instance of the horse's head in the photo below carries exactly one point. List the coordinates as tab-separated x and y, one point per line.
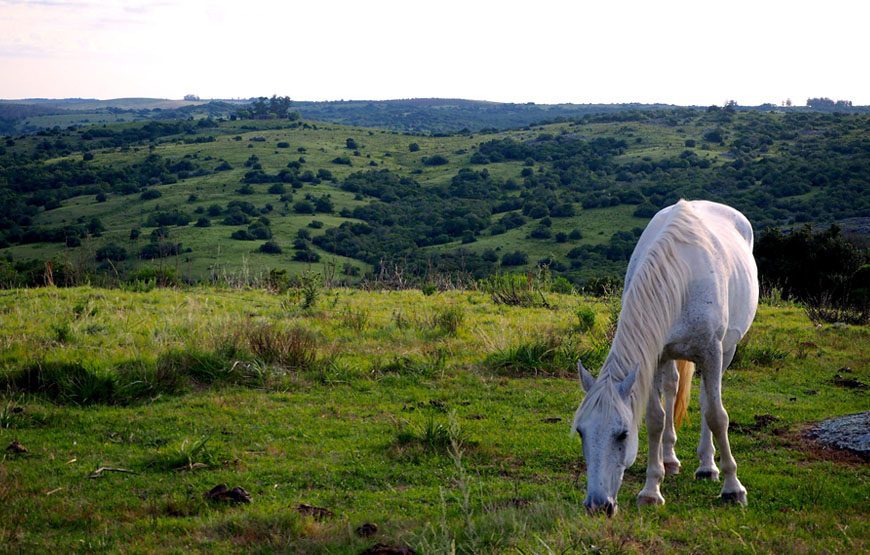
609	434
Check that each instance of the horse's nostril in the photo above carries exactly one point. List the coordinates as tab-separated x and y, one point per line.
610	508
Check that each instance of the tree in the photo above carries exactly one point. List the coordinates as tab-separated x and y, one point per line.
112	251
516	258
351	144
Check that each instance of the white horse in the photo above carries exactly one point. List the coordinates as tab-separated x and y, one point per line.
691	291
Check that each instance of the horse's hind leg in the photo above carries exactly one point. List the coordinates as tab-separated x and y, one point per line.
670	380
717	420
655	470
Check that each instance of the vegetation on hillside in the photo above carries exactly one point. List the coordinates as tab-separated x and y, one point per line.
570	196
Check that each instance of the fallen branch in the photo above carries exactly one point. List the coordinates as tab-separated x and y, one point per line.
99	472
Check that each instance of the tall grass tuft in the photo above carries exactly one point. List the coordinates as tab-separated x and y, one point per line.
64	382
550	355
525	290
447	320
294	348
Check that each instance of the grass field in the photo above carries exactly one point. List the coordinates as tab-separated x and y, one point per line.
442	419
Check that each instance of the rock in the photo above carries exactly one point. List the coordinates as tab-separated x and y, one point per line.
850	433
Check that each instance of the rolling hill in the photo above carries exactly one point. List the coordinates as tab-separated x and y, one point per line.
202	196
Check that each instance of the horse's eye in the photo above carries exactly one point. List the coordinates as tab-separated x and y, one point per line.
622	435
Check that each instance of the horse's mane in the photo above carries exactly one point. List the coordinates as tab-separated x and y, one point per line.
652	300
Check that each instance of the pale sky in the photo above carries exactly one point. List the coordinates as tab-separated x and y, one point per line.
678	52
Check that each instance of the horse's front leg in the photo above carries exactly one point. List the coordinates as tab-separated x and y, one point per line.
670	381
655	469
717	420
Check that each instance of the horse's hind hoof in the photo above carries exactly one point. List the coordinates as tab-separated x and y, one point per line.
672	468
645	500
712	475
733	498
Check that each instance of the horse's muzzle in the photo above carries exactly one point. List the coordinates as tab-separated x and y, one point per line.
607	506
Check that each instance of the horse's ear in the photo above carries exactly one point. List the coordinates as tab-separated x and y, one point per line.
586	379
625	385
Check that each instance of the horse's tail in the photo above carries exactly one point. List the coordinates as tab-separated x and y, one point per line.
684	389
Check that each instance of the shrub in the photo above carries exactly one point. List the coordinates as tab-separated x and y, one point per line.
516	258
150	194
413	147
436	160
270	247
585	319
112	252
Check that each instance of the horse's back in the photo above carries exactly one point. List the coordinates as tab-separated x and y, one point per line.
724	279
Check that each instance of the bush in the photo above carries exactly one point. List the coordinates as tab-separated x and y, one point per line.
150	194
516	258
113	252
436	160
413	147
270	247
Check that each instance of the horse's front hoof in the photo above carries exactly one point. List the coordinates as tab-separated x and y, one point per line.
706	474
733	497
672	468
643	500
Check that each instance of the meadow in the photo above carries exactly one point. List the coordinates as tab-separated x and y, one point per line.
441	418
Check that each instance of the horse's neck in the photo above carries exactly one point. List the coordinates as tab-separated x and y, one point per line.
644	325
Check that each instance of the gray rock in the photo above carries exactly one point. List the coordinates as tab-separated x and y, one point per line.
851	433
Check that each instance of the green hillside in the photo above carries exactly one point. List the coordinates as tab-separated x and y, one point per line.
109	199
442	420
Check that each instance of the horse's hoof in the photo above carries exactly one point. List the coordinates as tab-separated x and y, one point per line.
712	475
672	468
733	497
649	500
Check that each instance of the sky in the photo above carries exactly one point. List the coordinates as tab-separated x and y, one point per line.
677	52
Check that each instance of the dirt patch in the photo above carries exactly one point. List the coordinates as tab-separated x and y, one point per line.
762	422
317	513
366	529
223	493
384	549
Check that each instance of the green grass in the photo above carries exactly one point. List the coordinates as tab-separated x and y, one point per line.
385	407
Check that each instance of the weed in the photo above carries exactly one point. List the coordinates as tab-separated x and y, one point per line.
294	348
62	333
354	319
448	319
10	413
64	382
549	355
585	318
752	354
310	284
515	290
189	454
825	311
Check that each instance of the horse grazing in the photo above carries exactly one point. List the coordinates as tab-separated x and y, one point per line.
691	291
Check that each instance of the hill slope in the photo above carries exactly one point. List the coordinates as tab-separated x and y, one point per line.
569	195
